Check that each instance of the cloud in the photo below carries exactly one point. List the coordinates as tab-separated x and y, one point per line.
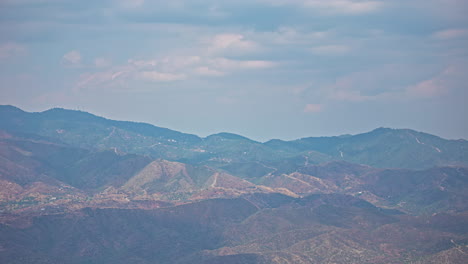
230	43
208	72
313	108
428	88
156	76
11	49
142	63
101	62
451	34
452	78
398	82
438	85
177	62
72	58
386	82
104	79
228	64
168	69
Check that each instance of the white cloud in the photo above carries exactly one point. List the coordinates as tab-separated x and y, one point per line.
256	64
228	64
313	108
231	43
213	66
103	79
142	63
208	72
73	57
156	76
224	41
101	62
177	63
168	69
286	39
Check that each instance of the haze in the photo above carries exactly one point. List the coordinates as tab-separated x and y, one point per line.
264	68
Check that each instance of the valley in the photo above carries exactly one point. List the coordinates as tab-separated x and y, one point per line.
78	188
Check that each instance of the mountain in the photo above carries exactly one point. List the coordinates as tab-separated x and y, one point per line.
106	161
383	147
42	174
252	229
47	175
78	188
84	130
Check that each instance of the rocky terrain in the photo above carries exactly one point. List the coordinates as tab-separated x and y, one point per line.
77	188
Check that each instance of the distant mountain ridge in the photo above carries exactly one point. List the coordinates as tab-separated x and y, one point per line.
382	147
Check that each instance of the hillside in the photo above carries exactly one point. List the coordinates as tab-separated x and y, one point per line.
383	147
77	188
265	229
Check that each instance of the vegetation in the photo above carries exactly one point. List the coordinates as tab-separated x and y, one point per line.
77	188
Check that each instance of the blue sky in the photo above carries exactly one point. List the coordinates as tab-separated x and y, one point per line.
261	68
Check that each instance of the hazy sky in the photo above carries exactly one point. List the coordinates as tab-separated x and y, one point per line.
261	68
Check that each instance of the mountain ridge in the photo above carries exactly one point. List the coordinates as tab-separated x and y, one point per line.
381	147
78	188
13	108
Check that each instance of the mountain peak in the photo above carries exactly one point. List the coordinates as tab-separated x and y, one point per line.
67	113
227	135
382	129
10	108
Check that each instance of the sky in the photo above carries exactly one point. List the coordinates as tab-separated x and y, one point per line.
264	69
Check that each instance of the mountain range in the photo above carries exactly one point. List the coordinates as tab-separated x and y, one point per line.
78	188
